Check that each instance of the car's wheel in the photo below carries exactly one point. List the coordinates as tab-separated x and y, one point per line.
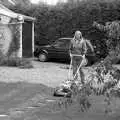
42	57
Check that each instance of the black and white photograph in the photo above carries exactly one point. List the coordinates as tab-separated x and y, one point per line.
59	59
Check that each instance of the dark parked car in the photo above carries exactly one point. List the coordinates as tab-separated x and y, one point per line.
58	50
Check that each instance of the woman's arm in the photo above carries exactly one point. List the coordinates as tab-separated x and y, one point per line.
90	45
71	45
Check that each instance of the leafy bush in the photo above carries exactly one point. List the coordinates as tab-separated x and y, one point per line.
103	80
15	62
63	20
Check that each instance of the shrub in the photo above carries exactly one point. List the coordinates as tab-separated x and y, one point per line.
15	62
103	78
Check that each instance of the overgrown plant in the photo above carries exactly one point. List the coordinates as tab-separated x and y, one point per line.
103	78
15	62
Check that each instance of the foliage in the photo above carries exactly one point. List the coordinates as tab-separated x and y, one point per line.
15	62
103	79
112	33
63	20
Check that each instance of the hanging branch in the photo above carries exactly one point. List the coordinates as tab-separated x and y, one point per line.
112	31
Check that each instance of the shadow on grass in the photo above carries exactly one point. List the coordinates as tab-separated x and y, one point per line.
28	101
14	95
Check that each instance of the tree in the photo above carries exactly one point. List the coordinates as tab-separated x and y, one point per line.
103	78
113	38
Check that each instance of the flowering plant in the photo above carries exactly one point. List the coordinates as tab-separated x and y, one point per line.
103	78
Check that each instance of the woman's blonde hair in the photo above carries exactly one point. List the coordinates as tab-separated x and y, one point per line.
77	41
76	34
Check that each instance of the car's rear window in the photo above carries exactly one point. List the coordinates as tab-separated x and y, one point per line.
64	43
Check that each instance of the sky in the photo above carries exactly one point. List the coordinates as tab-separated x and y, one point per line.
49	2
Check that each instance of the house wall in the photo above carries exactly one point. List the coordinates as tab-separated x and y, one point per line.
10	34
15	48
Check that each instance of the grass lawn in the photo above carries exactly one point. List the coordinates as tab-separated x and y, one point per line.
35	102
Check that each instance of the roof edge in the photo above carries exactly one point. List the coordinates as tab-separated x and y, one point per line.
27	17
13	14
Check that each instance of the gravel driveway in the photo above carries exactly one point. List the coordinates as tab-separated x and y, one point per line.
50	74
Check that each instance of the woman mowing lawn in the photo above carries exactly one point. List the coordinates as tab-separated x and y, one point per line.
78	50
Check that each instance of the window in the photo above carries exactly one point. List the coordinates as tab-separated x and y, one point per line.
59	44
62	43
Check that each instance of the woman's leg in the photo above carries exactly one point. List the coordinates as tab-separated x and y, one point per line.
82	76
76	62
81	73
74	67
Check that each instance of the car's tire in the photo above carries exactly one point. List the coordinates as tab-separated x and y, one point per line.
42	57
